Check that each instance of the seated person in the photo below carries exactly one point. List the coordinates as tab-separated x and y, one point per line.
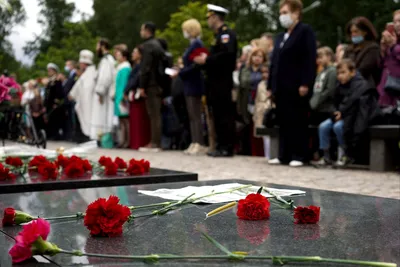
347	96
324	88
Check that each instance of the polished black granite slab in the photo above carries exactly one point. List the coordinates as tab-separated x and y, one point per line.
351	227
155	175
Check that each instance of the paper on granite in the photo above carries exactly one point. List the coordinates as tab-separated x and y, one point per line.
22	150
182	193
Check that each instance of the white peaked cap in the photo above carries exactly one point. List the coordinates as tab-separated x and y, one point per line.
86	57
217	9
53	66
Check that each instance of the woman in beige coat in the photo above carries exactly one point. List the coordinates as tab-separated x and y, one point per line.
263	102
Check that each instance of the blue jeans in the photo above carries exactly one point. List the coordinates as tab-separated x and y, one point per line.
324	131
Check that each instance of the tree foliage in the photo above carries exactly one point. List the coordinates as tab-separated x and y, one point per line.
10	17
120	21
53	15
173	32
76	38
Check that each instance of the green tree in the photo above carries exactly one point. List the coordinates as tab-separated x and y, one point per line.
77	37
173	32
12	13
53	16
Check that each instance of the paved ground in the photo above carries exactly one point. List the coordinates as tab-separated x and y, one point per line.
257	169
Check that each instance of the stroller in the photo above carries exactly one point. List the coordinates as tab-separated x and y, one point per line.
13	126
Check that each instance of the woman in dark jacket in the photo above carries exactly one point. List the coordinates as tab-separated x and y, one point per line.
193	82
292	76
139	124
364	50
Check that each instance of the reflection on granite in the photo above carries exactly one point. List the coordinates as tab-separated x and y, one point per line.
34	183
351	227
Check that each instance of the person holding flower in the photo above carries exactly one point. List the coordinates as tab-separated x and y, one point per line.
193	83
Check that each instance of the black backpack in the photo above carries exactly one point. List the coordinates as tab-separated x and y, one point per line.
166	61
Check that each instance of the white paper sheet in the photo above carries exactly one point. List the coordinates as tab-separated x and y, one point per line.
29	151
182	193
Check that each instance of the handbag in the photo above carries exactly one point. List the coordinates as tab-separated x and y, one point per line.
392	85
270	118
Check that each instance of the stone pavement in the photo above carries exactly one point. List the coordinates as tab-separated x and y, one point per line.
257	169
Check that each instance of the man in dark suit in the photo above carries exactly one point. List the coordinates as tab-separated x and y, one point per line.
292	76
219	66
69	125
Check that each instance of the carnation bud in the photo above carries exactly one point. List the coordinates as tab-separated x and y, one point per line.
43	247
22	217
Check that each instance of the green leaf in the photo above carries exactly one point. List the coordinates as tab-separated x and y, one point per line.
216	243
260	190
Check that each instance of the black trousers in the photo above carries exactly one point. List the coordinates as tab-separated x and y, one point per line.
224	115
56	122
293	128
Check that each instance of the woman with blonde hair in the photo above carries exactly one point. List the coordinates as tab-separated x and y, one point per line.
193	83
249	78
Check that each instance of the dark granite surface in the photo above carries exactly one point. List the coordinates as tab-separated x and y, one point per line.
154	176
351	227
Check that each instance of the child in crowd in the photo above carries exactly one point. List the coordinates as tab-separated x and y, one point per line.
37	109
324	88
263	102
347	93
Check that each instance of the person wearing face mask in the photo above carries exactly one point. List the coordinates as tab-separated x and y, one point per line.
193	85
364	50
72	77
292	76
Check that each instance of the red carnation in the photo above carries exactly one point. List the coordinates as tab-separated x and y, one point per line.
86	165
9	217
48	171
37	160
111	169
74	170
145	165
6	174
307	215
15	162
253	207
106	217
135	168
62	161
197	52
104	161
121	163
20	252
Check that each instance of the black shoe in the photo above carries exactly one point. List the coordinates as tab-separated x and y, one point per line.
220	154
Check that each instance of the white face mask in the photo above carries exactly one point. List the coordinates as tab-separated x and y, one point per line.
286	21
186	35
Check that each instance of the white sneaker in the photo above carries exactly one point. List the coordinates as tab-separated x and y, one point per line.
275	161
154	149
296	163
189	149
198	150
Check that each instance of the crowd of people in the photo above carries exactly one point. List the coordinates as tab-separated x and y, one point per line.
211	101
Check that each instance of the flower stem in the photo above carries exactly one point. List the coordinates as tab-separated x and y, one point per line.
280	199
149	206
220	193
79	215
275	259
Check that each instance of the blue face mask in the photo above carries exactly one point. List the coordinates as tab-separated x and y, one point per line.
67	69
357	39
